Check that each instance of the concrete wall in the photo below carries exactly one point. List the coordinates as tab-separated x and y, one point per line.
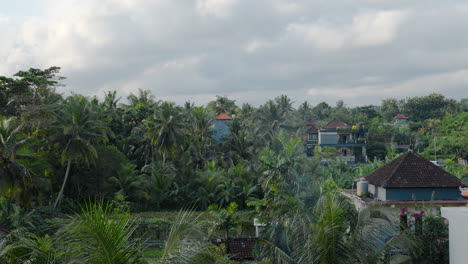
373	189
382	194
220	129
423	194
458	233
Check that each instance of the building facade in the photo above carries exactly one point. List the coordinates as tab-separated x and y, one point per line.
221	127
348	140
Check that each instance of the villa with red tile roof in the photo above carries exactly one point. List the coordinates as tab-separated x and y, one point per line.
400	119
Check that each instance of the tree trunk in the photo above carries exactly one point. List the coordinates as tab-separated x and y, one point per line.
59	197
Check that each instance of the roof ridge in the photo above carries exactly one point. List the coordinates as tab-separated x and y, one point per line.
396	167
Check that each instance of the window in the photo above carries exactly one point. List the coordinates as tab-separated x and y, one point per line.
344	152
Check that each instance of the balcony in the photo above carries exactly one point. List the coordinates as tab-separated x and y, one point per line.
346	143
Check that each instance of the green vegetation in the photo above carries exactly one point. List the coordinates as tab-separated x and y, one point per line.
143	155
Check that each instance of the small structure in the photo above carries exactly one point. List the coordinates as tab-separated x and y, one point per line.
400	119
221	127
240	249
409	181
349	140
411	177
458	233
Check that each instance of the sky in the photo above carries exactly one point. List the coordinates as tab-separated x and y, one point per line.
359	51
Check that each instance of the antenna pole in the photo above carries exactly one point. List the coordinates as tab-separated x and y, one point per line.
435	149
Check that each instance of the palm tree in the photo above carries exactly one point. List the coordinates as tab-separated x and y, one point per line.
78	129
103	235
304	111
284	103
144	97
166	128
271	117
187	244
11	141
222	104
100	234
199	136
333	232
111	100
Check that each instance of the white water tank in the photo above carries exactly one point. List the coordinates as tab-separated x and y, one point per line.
362	187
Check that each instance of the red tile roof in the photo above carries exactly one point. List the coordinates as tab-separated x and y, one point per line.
400	116
335	123
411	170
311	123
223	116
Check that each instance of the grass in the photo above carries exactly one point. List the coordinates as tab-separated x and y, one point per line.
152	253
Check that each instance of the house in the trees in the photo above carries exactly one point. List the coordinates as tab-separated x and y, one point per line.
411	177
409	181
348	140
400	119
221	127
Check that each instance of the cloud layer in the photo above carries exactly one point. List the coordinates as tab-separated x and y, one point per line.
359	51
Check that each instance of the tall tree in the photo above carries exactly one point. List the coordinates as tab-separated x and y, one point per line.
222	104
390	108
166	129
284	102
78	130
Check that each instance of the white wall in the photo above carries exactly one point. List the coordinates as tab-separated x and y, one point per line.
382	194
371	189
458	233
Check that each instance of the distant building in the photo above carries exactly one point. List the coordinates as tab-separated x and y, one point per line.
409	181
400	119
221	127
349	140
411	177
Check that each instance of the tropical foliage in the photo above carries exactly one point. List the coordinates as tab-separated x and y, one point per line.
57	152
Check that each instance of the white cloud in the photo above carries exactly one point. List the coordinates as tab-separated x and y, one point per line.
376	28
254	45
436	83
217	8
251	50
367	29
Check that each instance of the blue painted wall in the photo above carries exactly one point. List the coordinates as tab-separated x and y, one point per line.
424	194
220	129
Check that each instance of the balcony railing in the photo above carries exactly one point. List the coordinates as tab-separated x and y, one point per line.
352	141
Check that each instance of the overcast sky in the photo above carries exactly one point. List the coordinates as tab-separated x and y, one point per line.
250	50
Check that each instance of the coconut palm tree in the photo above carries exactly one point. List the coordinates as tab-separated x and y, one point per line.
222	104
13	174
333	232
11	140
271	117
188	244
101	234
284	102
144	97
166	129
78	130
